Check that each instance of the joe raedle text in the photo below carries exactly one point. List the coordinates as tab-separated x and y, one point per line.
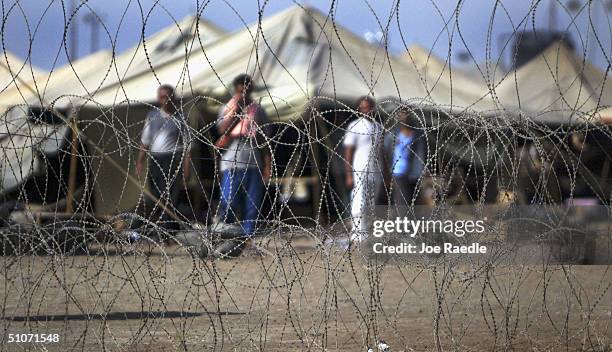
423	248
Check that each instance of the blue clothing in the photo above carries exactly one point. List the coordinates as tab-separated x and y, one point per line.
401	154
242	193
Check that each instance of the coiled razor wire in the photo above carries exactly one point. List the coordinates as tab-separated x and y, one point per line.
81	266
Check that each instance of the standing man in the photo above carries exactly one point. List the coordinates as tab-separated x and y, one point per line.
245	160
407	163
363	144
166	139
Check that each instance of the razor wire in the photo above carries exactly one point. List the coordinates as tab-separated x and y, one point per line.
97	256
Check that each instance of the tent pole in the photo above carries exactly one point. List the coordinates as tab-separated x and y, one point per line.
316	182
74	149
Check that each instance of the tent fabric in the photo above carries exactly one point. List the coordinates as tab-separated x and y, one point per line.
80	77
14	69
23	143
438	75
172	44
487	72
557	87
188	35
294	57
79	81
14	72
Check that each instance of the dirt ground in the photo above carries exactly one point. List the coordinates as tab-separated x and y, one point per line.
300	296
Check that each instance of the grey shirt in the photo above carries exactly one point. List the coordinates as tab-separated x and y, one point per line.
165	133
244	152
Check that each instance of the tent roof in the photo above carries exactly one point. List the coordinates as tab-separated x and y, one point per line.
557	87
81	79
14	71
174	42
12	66
438	74
294	56
486	72
71	79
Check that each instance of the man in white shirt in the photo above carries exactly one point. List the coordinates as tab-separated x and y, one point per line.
166	139
363	145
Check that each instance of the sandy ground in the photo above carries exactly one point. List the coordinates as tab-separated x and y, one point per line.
300	296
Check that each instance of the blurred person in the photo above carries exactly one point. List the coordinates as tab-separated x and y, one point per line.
363	144
407	162
166	139
245	162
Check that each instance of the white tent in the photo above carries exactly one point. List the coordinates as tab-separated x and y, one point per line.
78	81
172	44
22	140
14	69
488	72
72	79
295	56
14	73
438	75
557	87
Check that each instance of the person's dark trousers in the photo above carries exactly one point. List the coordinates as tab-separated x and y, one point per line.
242	192
165	178
404	189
